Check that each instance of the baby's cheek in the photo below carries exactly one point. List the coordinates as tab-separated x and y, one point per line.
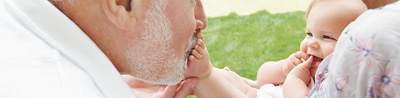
303	46
329	49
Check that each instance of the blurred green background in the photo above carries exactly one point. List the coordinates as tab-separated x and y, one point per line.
244	43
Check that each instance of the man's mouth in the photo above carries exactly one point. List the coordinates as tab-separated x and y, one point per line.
192	43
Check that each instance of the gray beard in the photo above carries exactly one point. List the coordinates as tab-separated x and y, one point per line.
151	58
171	72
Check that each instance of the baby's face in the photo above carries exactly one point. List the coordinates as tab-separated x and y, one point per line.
324	26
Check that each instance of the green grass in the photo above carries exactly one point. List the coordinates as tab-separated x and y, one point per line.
244	43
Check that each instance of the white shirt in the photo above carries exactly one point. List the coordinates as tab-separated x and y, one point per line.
43	54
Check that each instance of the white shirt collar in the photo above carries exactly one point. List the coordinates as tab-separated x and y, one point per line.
57	30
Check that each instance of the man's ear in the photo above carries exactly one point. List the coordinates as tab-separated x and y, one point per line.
119	13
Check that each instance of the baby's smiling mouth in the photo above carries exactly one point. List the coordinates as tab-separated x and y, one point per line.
316	60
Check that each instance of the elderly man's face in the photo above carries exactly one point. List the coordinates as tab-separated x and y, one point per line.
148	39
160	52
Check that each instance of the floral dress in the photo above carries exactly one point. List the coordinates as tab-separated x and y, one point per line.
366	59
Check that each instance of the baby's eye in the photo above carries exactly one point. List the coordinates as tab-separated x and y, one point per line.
309	34
328	37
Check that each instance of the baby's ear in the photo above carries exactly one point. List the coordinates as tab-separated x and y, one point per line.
119	12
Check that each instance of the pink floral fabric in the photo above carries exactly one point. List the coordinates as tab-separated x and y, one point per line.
366	60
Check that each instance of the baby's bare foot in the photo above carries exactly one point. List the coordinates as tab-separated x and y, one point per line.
199	64
198	52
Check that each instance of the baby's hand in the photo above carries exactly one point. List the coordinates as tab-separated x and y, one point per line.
293	60
302	71
199	64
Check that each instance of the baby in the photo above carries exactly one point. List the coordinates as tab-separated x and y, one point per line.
326	19
325	23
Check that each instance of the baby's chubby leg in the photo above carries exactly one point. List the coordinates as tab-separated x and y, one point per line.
239	82
249	82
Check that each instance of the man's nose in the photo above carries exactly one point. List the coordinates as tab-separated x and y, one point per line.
201	19
313	44
200	25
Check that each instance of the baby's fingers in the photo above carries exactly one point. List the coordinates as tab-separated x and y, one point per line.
306	64
301	55
297	62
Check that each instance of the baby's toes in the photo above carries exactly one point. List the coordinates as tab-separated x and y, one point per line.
199	49
193	59
201	43
196	53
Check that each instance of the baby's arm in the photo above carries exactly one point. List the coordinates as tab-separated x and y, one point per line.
295	85
276	72
270	72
